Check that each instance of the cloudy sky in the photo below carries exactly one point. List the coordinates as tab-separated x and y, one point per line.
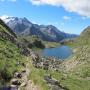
70	16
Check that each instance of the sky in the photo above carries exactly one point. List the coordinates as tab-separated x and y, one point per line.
71	16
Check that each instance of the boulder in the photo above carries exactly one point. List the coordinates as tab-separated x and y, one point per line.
15	82
17	75
47	78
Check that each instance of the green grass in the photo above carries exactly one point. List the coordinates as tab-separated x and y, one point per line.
73	83
51	44
33	38
9	54
9	57
37	76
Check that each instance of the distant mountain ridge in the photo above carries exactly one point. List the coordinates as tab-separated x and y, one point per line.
22	26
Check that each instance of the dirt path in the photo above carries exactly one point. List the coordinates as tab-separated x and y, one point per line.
29	85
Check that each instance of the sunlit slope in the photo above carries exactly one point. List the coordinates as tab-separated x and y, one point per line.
9	54
79	63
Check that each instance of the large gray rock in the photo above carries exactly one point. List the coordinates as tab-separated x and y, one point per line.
15	82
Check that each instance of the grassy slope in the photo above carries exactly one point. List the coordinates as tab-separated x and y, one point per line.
69	80
9	57
51	44
33	38
78	67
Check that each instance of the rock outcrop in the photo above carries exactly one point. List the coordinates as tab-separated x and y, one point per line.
53	83
50	63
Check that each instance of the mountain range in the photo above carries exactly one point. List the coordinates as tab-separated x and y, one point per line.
22	26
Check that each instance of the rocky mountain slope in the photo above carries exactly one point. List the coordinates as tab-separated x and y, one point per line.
23	26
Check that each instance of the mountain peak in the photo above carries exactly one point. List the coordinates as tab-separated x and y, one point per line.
7	19
4	17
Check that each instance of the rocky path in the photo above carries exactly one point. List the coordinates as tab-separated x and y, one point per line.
27	84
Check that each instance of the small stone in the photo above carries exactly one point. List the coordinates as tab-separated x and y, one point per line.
23	84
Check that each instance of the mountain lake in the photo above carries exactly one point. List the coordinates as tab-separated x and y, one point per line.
61	52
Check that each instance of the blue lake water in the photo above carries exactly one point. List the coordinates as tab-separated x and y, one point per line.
61	52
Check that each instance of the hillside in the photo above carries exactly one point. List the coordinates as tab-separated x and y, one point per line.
10	54
79	63
23	26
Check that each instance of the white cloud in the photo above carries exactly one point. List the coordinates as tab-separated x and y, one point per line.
66	17
82	7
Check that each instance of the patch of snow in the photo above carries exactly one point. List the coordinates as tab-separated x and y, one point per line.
6	18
